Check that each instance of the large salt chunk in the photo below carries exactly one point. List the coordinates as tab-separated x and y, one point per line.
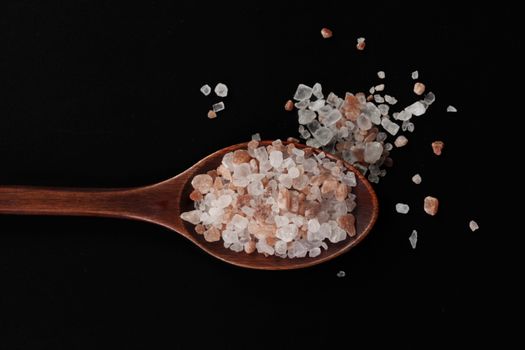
373	151
391	127
306	116
276	158
206	89
303	92
221	90
323	135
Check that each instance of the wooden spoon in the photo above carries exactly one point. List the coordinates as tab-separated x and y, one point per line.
162	204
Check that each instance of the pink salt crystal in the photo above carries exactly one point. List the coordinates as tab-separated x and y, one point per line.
360	44
292	139
196	196
431	205
212	234
288	106
341	192
200	229
400	141
283	199
224	172
326	33
241	156
419	88
249	247
347	223
329	185
202	183
437	147
212	114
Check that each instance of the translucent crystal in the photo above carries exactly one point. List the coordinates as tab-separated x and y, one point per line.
303	92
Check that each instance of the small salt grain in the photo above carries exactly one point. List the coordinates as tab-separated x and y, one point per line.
221	90
256	137
288	105
381	74
217	107
419	88
413	239
415	74
437	147
400	141
360	44
416	179
326	33
473	225
451	109
431	205
341	274
206	89
380	87
212	114
390	100
402	208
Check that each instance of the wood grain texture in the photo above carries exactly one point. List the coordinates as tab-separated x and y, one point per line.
163	202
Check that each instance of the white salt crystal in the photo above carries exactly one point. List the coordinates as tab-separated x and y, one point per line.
221	90
281	247
323	135
413	239
373	151
302	104
381	74
380	87
429	98
404	115
416	108
206	89
293	172
281	220
314	252
306	116
317	91
341	274
303	92
332	118
276	158
391	127
287	232
451	109
473	225
316	105
415	74
217	107
402	208
313	225
240	222
364	122
193	216
378	98
255	188
390	100
372	90
256	137
416	179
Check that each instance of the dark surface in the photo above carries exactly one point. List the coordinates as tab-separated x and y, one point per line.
100	95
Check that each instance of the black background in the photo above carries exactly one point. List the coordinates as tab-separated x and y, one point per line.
103	94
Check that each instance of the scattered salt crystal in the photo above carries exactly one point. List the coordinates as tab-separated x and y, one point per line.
400	141
451	109
417	108
413	239
341	274
326	33
473	225
429	98
256	137
431	205
380	87
415	74
372	90
378	98
206	89
390	100
217	107
361	44
416	179
317	90
402	208
212	114
288	105
373	151
303	92
391	127
221	90
437	147
419	88
381	74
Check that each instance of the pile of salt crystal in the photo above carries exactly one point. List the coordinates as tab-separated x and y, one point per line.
276	200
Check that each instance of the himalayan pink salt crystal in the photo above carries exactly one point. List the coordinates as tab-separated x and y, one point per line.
360	44
329	185
419	88
437	147
200	229
473	225
202	183
241	156
431	205
288	106
347	223
224	172
196	196
212	234
326	33
212	114
249	247
341	192
400	141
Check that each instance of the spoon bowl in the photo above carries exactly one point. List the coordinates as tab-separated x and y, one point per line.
163	202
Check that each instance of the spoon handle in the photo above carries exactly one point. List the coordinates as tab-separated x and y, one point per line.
27	200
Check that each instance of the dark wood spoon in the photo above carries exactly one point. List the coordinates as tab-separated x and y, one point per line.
162	203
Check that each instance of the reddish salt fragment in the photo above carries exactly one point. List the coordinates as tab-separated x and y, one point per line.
419	88
241	156
288	106
431	205
326	33
360	44
347	223
437	147
212	114
195	196
200	229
